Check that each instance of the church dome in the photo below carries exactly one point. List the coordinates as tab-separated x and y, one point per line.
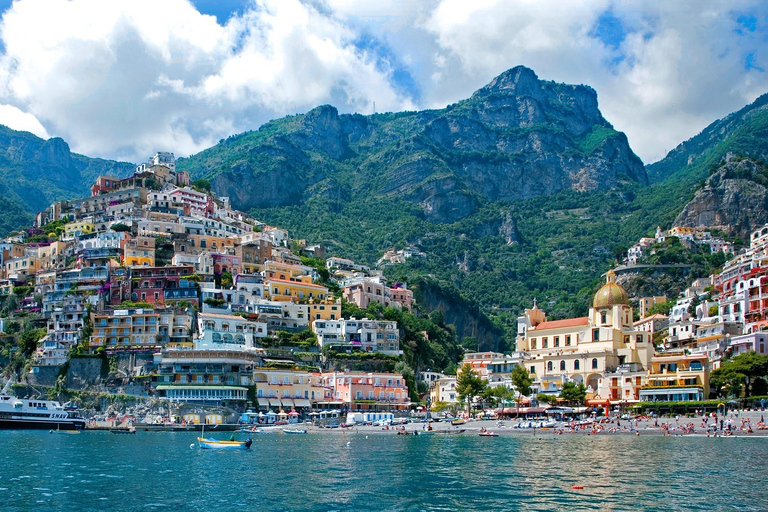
610	293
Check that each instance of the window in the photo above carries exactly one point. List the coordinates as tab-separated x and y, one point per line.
556	341
562	365
596	335
544	342
603	317
626	339
549	366
533	369
568	340
594	364
533	343
576	365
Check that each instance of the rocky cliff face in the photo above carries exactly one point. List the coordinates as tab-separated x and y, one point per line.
734	199
515	138
464	315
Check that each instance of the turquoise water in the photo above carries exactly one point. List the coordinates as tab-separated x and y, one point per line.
159	471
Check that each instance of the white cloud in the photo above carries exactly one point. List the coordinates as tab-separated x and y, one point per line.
14	118
124	78
127	77
682	68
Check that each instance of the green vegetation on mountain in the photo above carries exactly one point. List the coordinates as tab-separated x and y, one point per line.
35	172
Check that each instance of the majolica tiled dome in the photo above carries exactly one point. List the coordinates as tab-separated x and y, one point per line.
610	293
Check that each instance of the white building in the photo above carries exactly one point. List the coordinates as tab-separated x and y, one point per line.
228	331
365	335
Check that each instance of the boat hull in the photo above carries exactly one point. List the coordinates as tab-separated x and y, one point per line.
42	424
213	444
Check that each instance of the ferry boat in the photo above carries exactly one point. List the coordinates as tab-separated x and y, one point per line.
17	413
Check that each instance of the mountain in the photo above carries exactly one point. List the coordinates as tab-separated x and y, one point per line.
515	138
35	172
734	199
743	133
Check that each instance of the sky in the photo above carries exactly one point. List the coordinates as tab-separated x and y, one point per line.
125	78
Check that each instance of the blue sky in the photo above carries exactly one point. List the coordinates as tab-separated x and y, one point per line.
123	78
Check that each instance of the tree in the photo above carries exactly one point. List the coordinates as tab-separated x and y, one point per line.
546	399
409	376
574	393
202	185
740	372
522	381
662	308
469	384
120	227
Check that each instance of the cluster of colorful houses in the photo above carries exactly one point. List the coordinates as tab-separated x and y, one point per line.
189	295
658	358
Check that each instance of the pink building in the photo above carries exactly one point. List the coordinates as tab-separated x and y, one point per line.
374	289
199	202
367	391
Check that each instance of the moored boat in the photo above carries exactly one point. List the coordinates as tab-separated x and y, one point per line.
458	421
216	444
294	431
22	413
66	432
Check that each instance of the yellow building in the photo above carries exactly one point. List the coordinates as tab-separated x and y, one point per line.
584	349
122	329
286	271
287	388
77	229
139	252
324	310
297	289
676	377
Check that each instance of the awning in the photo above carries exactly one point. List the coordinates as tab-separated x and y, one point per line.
274	402
263	402
287	402
302	402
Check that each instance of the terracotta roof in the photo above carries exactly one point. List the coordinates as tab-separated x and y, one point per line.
557	324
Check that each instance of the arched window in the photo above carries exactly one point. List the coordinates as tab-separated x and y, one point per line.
594	364
549	366
562	365
576	365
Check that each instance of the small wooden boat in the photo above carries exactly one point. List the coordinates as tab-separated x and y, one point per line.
216	444
65	431
458	421
294	431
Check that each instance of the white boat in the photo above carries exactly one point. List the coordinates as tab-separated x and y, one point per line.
294	431
22	413
216	444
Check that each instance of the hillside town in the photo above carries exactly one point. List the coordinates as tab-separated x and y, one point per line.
623	358
193	301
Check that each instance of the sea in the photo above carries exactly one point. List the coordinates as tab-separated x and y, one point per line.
158	471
